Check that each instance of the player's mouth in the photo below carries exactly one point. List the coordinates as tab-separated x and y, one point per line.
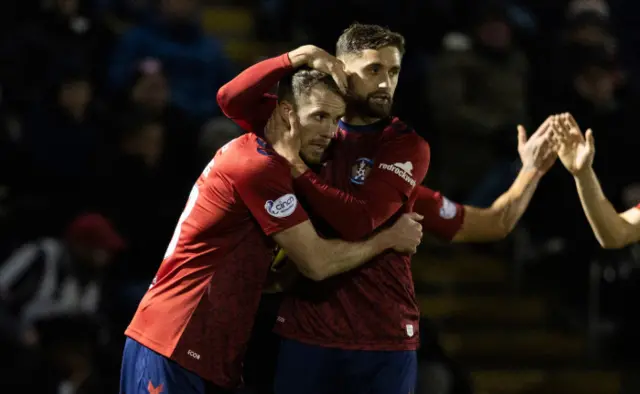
381	99
318	146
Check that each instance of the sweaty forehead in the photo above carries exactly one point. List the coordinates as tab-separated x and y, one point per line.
322	99
387	56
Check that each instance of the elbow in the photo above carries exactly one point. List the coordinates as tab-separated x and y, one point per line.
316	274
222	97
611	243
318	269
313	268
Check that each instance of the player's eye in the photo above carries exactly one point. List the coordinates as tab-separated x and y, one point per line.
320	117
374	69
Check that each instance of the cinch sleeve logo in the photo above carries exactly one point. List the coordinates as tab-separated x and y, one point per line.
448	210
403	170
282	207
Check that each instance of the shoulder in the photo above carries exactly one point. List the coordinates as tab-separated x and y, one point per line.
248	158
404	134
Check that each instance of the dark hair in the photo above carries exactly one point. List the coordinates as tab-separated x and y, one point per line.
359	37
300	83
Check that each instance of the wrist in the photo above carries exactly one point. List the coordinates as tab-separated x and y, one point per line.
300	56
582	174
531	174
382	241
298	167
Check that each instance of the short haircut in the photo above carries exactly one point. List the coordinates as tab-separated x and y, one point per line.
359	37
300	83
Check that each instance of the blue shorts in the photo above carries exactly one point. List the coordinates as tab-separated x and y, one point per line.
319	370
147	372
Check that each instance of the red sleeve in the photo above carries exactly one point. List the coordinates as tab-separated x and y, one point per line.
397	169
268	193
246	99
638	206
442	217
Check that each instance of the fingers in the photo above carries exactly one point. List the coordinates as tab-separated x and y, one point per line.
543	129
336	69
415	216
589	137
294	122
522	135
340	76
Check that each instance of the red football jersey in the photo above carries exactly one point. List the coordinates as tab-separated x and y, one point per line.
200	308
372	307
371	178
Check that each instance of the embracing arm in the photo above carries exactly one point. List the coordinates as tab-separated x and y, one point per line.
357	214
318	258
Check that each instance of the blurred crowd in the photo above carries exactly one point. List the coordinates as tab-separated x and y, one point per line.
108	114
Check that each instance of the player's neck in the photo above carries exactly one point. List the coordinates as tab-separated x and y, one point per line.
357	120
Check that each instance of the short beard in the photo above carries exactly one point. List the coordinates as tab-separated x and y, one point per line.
365	108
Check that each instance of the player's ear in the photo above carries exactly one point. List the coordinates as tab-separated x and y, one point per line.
284	109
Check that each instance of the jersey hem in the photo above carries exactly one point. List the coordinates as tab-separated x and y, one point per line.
389	346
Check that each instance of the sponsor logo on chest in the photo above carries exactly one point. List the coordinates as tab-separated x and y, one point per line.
403	170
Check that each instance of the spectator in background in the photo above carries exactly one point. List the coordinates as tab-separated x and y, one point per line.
194	64
73	362
65	35
139	195
51	280
477	92
62	137
214	135
149	93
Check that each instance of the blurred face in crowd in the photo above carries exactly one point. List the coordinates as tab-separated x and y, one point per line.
147	143
151	91
179	9
318	113
594	35
67	7
373	78
495	34
75	96
596	85
90	257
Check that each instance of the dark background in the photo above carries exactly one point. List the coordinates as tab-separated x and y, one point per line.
108	106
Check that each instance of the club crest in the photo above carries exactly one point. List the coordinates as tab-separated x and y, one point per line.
360	170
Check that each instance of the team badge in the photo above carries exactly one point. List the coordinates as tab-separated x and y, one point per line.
360	170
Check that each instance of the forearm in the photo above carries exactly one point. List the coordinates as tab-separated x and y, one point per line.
497	221
335	256
511	205
249	87
352	216
609	228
